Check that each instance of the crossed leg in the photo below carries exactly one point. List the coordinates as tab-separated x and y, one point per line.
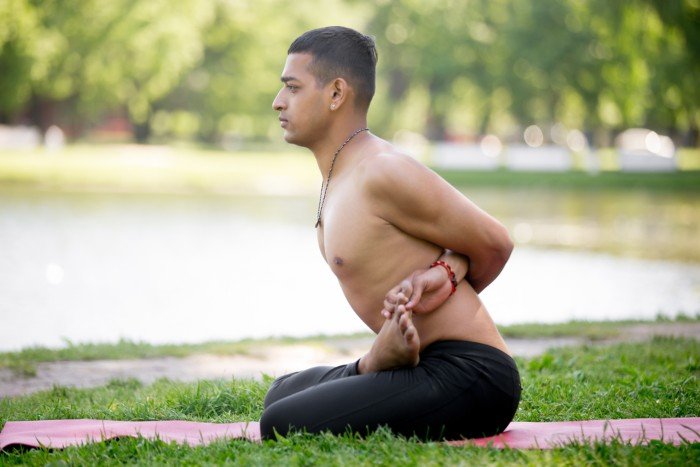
445	396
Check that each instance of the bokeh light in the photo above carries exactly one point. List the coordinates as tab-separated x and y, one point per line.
533	136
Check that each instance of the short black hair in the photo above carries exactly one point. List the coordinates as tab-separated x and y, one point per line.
341	52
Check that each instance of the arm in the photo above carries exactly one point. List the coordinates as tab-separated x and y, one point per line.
417	201
425	290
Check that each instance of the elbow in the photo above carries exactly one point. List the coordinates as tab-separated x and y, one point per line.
503	245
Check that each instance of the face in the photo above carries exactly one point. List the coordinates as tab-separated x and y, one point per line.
302	105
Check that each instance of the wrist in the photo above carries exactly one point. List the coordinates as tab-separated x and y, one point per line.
450	273
457	262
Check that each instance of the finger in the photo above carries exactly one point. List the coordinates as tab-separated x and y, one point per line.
392	295
417	294
406	287
390	298
389	305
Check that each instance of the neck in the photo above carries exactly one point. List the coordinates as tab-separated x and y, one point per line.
337	133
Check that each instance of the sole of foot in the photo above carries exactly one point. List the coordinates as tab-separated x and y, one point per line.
397	345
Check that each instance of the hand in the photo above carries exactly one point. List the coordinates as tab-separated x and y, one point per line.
421	292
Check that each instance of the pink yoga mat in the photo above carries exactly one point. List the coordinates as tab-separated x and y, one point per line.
63	433
547	435
518	435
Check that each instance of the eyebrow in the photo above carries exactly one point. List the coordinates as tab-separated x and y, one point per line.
286	79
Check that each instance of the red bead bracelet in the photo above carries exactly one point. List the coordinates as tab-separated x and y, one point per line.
450	274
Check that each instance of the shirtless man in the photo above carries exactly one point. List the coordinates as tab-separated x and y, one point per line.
411	254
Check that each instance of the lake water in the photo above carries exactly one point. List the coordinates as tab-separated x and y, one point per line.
94	268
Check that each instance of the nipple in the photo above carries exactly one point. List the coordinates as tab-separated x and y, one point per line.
337	260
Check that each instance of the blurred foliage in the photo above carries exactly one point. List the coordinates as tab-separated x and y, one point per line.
209	70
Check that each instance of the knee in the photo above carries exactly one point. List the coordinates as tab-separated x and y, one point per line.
275	392
273	421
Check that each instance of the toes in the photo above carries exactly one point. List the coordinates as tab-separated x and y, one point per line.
403	323
410	334
399	311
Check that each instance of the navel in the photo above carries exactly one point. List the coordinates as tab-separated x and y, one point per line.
338	260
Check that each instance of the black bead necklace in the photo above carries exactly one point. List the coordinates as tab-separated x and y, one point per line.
324	186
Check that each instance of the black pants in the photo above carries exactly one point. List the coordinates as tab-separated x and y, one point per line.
458	390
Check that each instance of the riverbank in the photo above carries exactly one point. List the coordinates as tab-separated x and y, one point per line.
92	365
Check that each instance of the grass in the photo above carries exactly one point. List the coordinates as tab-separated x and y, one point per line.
189	169
160	169
672	181
23	362
591	330
658	378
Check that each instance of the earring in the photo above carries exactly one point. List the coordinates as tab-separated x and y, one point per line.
332	106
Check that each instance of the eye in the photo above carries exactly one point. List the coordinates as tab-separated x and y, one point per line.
292	88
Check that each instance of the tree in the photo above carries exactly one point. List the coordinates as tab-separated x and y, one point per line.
231	89
91	57
20	54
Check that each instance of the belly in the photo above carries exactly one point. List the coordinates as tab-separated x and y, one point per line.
365	282
370	256
462	317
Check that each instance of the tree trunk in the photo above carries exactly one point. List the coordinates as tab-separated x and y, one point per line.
142	131
435	128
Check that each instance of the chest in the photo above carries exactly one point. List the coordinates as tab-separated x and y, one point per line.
350	234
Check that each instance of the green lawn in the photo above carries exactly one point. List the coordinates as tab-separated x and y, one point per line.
191	169
658	378
160	169
591	330
677	181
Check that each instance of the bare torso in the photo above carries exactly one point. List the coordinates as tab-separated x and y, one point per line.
369	256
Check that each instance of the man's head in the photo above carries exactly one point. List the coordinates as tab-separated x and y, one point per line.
341	52
327	69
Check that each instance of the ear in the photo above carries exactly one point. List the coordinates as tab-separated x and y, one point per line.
339	91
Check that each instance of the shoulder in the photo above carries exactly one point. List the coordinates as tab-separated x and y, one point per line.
401	189
390	170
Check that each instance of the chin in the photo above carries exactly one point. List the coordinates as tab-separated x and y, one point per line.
291	138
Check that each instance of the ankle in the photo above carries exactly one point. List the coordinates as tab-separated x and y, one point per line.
365	365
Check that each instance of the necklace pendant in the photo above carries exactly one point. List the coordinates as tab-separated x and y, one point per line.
318	222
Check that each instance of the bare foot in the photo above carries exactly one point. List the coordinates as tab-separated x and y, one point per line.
396	345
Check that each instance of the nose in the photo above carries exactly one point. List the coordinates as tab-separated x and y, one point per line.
278	103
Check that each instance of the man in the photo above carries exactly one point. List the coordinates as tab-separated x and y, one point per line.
438	367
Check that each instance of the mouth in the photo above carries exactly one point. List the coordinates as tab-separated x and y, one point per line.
283	122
